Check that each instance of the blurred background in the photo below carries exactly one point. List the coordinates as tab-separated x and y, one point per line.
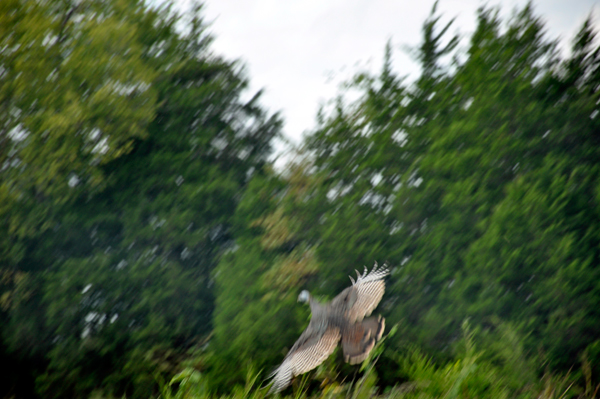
159	214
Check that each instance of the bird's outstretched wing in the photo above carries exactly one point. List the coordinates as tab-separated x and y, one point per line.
359	300
321	337
311	349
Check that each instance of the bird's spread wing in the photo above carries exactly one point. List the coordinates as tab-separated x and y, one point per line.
359	300
308	352
315	345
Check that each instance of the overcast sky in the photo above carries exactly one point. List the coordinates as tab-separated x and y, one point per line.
299	50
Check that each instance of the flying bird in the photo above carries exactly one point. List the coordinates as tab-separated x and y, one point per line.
341	319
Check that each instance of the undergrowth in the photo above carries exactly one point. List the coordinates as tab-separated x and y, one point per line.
471	375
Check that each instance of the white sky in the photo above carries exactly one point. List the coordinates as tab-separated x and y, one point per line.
299	50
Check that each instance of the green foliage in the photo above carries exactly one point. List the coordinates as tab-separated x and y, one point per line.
468	182
185	385
478	183
143	232
257	280
76	92
470	375
119	215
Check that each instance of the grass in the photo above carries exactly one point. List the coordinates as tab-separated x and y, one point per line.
419	377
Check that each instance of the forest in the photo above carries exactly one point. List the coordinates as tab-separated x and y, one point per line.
150	249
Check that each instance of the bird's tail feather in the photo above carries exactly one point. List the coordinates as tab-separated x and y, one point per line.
359	338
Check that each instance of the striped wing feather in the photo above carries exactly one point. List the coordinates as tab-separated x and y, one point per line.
308	352
359	300
314	352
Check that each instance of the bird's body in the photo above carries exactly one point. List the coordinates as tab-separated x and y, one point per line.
341	319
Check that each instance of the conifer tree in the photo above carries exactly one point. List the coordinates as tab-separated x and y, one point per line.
113	281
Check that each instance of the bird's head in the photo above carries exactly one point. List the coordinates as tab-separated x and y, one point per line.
304	296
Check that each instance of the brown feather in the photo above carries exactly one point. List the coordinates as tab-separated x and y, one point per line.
359	338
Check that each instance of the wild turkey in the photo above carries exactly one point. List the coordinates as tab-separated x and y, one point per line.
342	318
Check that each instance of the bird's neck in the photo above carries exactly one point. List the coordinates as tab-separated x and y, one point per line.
315	306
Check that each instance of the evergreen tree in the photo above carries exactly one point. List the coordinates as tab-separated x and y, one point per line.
258	280
490	156
539	254
117	270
